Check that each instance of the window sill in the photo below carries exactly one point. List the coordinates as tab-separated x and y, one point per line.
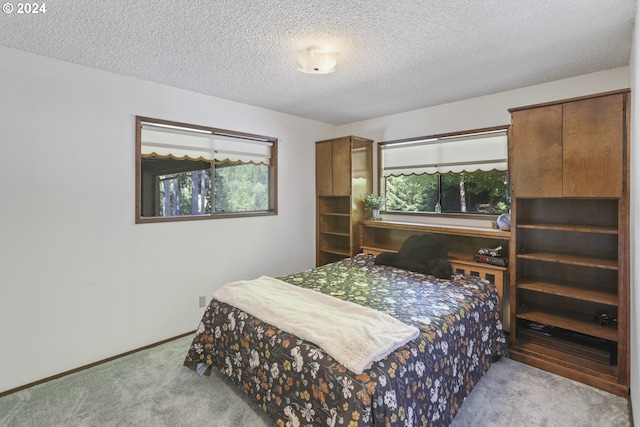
463	230
444	219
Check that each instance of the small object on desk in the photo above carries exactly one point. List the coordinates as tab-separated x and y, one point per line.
504	222
493	260
491	251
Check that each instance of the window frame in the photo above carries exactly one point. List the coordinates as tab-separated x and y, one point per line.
272	177
463	215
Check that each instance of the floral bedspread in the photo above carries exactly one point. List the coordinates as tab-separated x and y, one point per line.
421	384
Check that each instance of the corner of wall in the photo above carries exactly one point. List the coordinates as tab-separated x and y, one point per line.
634	256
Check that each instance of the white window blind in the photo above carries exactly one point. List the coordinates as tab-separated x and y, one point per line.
193	144
484	151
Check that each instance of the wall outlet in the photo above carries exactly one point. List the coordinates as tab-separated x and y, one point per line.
202	301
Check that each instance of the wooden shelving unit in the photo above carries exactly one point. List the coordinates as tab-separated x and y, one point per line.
334	227
569	241
571	259
569	290
344	174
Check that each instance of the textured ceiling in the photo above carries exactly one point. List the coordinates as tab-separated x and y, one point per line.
395	56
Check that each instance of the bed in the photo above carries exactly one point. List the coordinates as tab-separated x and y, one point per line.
423	382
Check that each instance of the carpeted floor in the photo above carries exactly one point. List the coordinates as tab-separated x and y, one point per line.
152	388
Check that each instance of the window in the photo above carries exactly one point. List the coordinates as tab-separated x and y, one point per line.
193	172
453	173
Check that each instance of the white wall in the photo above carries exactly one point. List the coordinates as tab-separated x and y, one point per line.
485	111
634	67
79	281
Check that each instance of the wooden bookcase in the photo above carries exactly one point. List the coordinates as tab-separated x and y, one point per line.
344	174
569	240
463	243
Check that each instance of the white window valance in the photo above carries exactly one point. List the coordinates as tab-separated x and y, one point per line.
195	144
482	151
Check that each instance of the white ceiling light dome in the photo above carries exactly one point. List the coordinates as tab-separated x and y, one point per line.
314	60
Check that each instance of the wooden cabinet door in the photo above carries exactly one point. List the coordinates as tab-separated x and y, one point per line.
342	167
535	152
593	145
324	168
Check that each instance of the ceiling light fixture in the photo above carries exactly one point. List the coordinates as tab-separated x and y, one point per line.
315	60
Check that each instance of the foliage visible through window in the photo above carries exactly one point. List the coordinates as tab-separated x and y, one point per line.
238	188
187	193
477	192
458	173
241	188
190	171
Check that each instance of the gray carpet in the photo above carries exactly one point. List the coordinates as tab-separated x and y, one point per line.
152	388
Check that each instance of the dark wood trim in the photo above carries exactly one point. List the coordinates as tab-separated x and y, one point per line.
138	192
215	131
93	365
455	215
273	173
489	233
447	135
156	219
578	98
346	138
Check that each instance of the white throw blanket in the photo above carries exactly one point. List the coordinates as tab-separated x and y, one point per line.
354	335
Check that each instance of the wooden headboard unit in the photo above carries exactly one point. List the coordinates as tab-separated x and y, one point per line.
463	242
